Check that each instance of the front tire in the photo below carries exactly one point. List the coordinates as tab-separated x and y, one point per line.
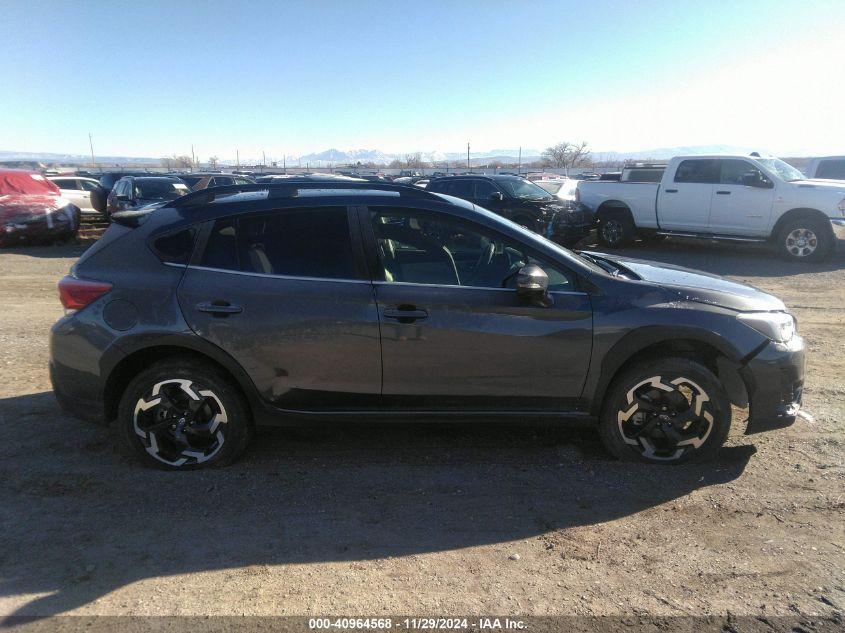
182	415
670	411
616	229
805	240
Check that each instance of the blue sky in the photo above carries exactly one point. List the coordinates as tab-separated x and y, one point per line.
152	78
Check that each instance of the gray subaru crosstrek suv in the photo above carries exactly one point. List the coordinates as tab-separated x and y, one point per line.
194	321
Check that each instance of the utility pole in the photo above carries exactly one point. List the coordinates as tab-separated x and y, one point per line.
238	159
263	161
519	169
285	163
91	145
467	155
193	158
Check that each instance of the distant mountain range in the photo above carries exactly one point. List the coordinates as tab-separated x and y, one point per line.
345	157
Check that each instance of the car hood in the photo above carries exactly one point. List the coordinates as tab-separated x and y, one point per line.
548	206
818	183
694	285
26	207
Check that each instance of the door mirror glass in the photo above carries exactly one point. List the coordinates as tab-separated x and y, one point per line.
497	196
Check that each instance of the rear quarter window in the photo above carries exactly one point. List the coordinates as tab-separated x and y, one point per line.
175	247
703	171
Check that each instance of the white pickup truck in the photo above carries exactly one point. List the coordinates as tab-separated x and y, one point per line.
744	198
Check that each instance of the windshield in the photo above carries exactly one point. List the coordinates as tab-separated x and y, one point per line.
785	171
523	189
159	189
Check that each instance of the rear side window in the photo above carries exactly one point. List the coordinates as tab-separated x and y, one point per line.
462	188
437	186
294	243
833	169
65	183
175	247
704	170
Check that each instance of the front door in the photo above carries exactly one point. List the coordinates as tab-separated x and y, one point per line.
284	294
742	202
454	334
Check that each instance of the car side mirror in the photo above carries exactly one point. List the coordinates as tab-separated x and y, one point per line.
497	196
757	180
532	285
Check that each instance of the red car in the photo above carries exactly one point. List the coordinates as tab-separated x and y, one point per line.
32	209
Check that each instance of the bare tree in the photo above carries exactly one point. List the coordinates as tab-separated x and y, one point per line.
566	155
413	160
166	162
212	162
182	161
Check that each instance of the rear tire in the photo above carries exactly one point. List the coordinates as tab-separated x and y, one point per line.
616	229
668	411
183	415
805	239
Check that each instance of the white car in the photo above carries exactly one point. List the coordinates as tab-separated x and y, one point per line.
77	190
738	198
826	168
565	189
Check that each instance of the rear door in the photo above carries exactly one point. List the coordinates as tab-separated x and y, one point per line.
285	294
742	202
455	336
684	203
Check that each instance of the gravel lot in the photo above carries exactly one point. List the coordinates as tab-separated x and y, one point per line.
424	519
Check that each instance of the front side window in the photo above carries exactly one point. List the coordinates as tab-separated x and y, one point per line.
740	172
699	170
832	169
291	243
424	248
484	189
87	185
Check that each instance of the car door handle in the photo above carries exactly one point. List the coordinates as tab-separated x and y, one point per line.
406	315
219	308
671	190
723	193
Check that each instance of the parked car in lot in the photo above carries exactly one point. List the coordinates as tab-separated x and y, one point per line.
738	198
131	192
826	168
272	304
198	181
33	210
564	189
79	190
522	201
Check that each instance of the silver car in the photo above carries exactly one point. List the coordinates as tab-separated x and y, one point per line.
77	190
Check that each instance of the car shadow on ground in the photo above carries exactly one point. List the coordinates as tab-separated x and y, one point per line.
735	259
80	519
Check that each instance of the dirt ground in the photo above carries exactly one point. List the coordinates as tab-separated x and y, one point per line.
424	519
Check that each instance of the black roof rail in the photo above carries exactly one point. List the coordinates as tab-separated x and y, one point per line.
288	188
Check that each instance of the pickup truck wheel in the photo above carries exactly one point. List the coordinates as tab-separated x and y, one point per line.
805	239
670	411
616	229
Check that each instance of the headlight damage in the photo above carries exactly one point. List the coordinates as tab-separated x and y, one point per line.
778	326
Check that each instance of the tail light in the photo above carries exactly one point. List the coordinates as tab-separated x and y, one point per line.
75	293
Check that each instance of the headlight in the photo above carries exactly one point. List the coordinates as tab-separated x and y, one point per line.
778	326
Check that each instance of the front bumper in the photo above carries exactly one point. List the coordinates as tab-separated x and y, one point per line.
838	226
570	226
774	379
